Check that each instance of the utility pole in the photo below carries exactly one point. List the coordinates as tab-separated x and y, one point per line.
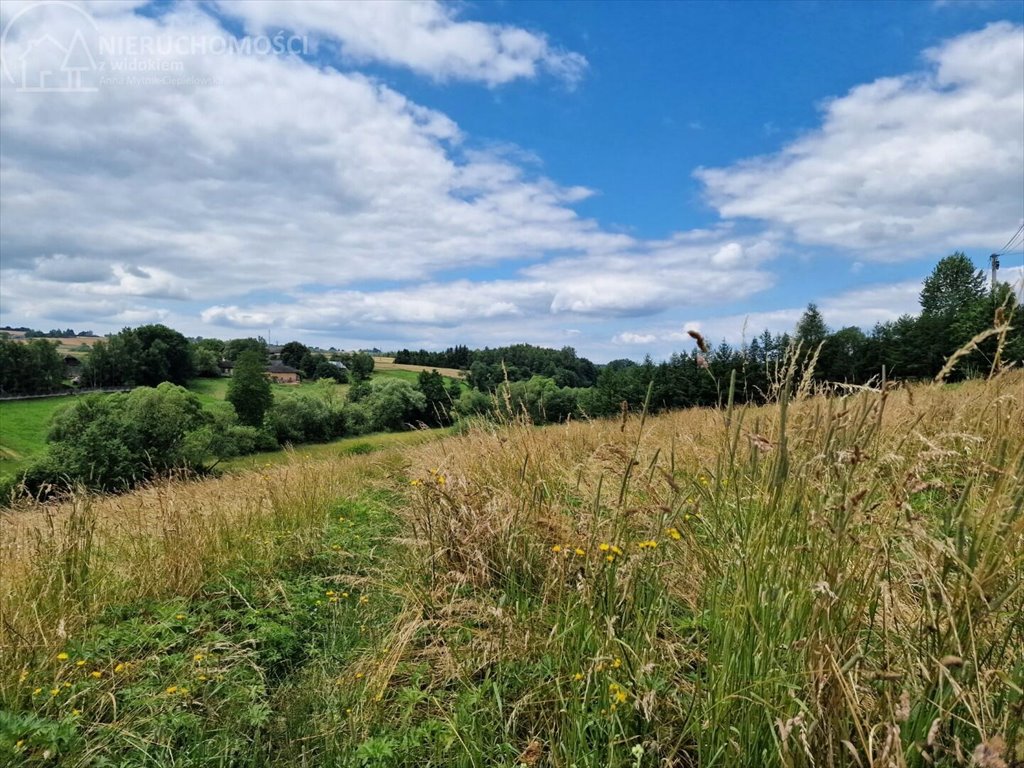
994	258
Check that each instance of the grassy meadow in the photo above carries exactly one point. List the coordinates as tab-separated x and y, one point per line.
24	423
817	582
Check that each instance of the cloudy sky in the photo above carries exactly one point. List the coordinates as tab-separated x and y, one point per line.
423	174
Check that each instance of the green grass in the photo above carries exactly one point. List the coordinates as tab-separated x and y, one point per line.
23	428
229	675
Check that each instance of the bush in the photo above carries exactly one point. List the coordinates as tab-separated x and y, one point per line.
393	404
302	419
110	442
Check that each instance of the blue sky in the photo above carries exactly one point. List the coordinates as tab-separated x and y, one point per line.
604	175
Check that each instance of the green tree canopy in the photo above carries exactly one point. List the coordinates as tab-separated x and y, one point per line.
953	286
293	352
249	389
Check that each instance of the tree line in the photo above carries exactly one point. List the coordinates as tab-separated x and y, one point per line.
110	442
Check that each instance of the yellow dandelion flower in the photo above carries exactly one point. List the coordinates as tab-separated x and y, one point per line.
577	677
616	550
119	668
621	697
363	599
96	674
80	663
344	594
62	657
67	684
171	690
441	480
580	551
557	548
54	691
19	743
183	691
201	677
359	675
22	676
674	534
616	663
610	558
604	547
416	482
329	593
332	600
179	616
76	712
198	657
37	691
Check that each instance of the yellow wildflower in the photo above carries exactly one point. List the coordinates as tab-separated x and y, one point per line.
577	677
604	547
616	550
620	697
119	668
54	691
171	689
332	600
329	593
674	534
37	691
416	482
62	657
616	663
96	674
610	558
179	616
22	676
440	480
76	712
557	548
363	599
198	657
580	551
80	663
19	743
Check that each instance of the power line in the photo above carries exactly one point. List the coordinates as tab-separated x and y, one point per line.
1010	242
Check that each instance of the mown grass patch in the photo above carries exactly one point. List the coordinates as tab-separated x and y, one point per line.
216	677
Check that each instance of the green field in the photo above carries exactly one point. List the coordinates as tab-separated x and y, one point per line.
23	428
24	423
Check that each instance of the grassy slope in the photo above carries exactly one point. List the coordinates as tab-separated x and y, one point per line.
769	588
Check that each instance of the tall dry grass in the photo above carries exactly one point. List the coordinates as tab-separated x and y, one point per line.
818	582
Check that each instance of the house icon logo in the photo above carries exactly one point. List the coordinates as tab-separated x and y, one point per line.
51	50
